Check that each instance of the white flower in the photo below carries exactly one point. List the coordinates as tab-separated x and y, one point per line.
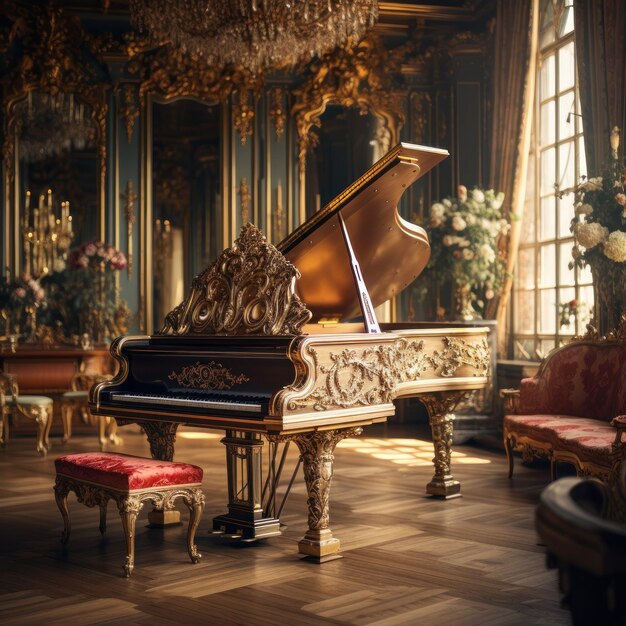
478	196
437	210
593	184
468	255
620	198
458	223
584	209
446	202
447	240
590	235
496	203
462	242
436	221
489	294
615	246
470	219
488	253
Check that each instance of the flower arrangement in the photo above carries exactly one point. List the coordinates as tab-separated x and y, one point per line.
464	233
599	228
19	300
93	253
599	223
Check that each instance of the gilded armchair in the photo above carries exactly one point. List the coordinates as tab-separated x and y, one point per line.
12	405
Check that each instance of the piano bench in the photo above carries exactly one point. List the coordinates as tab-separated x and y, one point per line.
97	477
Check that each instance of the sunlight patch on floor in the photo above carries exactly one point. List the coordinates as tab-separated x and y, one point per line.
190	434
411	452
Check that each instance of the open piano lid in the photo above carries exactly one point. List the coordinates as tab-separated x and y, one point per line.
391	251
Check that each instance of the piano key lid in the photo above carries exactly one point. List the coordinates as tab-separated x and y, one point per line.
390	251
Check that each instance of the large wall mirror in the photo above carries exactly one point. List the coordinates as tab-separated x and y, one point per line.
348	141
186	196
57	178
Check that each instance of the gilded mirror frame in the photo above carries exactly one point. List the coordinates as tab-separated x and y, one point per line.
51	62
165	75
357	75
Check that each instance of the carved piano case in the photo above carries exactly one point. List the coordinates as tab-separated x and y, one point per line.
282	345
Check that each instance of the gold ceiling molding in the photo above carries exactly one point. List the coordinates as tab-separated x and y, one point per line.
169	73
47	51
248	290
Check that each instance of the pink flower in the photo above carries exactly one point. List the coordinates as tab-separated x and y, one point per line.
82	261
90	249
461	192
620	199
20	292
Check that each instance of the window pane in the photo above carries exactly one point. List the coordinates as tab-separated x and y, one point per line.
547	314
567	21
526	268
566	66
567	322
566	213
567	165
567	125
547	78
547	123
547	219
547	267
546	346
584	276
547	25
566	276
547	171
585	305
525	311
525	349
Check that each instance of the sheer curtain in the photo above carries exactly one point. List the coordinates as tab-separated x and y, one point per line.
516	38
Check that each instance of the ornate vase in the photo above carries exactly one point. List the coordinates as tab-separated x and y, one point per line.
463	303
609	289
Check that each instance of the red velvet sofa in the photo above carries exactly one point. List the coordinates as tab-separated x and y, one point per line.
574	410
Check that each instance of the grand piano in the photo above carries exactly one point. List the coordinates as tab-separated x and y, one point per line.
281	344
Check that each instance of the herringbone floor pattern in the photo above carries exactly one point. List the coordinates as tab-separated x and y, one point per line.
408	559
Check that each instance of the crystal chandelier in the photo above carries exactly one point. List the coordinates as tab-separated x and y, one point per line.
49	125
254	33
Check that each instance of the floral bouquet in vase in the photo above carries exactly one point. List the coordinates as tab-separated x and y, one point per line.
20	301
94	304
464	232
599	228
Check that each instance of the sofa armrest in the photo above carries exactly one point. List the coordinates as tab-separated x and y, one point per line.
510	398
619	423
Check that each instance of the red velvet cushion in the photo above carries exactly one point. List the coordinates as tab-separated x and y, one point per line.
578	379
124	472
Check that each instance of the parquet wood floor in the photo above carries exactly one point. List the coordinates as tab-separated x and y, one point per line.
407	559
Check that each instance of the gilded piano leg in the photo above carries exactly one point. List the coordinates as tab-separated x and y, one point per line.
317	453
161	437
440	406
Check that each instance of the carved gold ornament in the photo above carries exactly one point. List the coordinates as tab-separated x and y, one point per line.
457	353
207	376
364	377
249	290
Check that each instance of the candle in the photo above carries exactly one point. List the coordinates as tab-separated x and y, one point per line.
27	208
50	199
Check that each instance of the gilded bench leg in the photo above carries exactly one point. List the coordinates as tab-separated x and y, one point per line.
129	508
61	489
440	406
195	502
316	450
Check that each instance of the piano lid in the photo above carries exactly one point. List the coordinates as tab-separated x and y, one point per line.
391	251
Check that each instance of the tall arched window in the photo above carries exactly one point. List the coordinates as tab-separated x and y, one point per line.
552	302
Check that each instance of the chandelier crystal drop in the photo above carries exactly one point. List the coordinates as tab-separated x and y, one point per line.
256	34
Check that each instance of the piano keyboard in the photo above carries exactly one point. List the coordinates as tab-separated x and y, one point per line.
238	403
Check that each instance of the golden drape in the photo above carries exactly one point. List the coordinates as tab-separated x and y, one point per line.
516	40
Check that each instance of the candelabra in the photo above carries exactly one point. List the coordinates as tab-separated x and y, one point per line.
46	237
